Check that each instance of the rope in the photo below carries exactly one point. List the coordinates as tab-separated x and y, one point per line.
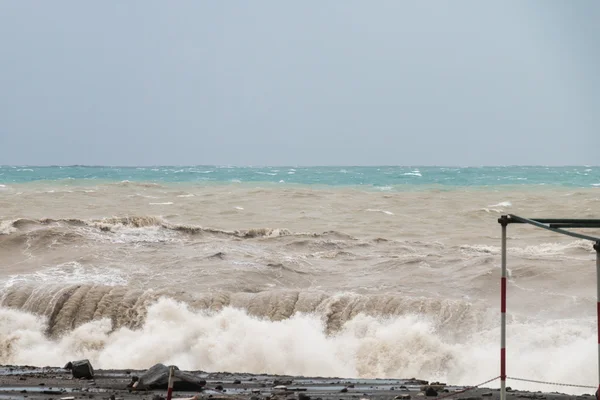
467	389
552	383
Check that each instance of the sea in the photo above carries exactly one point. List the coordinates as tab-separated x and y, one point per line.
357	272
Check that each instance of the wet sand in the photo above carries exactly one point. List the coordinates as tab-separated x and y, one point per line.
50	383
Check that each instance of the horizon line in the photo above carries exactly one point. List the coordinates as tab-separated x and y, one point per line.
294	166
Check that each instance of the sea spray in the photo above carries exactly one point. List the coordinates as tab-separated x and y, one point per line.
365	347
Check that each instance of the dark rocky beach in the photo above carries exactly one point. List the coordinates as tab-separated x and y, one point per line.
54	383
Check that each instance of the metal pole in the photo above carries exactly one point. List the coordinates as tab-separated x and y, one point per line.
170	384
503	314
597	248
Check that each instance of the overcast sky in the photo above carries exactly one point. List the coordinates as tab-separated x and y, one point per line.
300	82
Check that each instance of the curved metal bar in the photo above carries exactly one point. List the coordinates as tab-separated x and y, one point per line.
517	219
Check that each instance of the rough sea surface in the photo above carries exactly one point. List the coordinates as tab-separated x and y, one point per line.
356	272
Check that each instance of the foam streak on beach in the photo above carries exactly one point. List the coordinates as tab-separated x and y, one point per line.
341	279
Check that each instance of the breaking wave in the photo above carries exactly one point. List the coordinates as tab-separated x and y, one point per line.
115	223
66	307
537	252
363	346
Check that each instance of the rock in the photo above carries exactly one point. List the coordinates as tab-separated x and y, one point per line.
81	369
219	387
402	397
431	392
433	386
278	382
509	389
280	388
157	377
414	381
344	390
134	379
303	396
237	382
487	394
157	397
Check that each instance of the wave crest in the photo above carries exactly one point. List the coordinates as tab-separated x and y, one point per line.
113	224
67	307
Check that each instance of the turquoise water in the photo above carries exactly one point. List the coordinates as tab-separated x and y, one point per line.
382	177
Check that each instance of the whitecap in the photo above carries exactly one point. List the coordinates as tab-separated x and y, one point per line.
414	173
502	204
71	272
186	195
380	211
168	203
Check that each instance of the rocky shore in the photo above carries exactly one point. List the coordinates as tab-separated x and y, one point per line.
52	383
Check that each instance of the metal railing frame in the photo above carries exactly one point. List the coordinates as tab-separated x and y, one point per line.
555	225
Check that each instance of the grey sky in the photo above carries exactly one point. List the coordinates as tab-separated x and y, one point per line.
300	83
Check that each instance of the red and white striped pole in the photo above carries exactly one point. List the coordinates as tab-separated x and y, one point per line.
504	223
597	248
170	386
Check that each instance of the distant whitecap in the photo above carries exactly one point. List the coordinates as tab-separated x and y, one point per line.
416	172
380	211
502	204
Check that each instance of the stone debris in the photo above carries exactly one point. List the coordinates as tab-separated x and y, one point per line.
81	369
157	377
